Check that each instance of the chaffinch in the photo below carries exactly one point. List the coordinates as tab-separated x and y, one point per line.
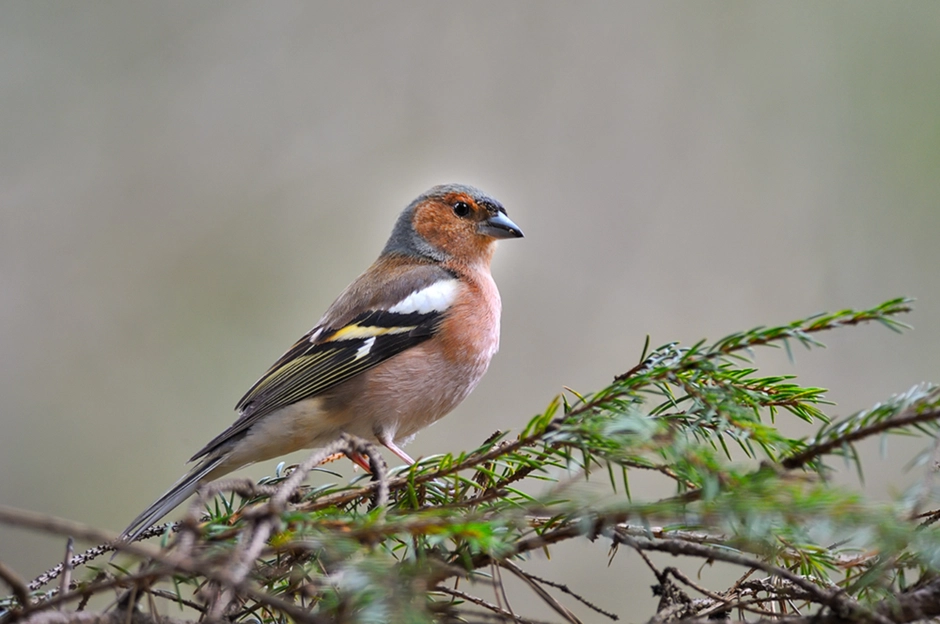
401	347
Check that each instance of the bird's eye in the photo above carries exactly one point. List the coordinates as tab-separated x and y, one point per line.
461	209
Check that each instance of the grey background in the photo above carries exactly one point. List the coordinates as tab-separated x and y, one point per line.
184	188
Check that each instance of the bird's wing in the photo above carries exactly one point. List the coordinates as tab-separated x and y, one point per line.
329	355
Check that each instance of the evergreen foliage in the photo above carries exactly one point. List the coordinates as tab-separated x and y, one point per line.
420	543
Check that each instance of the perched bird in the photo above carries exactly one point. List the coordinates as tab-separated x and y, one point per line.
401	347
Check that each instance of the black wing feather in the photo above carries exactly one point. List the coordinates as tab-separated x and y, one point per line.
310	368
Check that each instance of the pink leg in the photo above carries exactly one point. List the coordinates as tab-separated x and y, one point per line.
390	445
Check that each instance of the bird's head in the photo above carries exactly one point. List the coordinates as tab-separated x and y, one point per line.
452	221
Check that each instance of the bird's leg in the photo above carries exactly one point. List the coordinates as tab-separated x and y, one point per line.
363	461
357	458
388	443
360	460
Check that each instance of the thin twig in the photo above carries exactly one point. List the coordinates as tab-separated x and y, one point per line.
476	459
456	593
78	560
16	584
162	593
267	518
66	579
252	541
84	601
836	600
499	588
565	589
811	453
113	617
927	485
550	600
173	561
678	575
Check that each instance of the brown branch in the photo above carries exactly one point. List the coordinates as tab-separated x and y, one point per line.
54	572
16	584
811	453
262	520
836	600
567	590
172	597
682	578
55	598
268	517
112	617
342	498
919	604
473	460
499	611
734	598
66	581
633	371
540	591
783	334
58	526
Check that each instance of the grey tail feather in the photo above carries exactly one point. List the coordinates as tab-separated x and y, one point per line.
180	491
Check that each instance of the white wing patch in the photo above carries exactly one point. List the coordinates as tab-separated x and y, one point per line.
435	298
363	351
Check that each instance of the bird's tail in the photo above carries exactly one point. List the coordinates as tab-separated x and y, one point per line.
180	491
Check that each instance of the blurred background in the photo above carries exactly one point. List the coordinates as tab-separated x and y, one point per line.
185	187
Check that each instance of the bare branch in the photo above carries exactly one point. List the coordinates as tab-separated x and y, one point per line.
550	600
112	617
16	584
567	590
66	579
58	526
502	613
266	520
53	573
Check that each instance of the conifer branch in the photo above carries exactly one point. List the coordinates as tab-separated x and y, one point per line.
701	419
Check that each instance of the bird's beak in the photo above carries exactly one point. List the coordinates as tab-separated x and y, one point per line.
500	226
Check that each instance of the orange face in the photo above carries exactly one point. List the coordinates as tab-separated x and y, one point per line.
463	226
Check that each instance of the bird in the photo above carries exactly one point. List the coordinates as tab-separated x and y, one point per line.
400	348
